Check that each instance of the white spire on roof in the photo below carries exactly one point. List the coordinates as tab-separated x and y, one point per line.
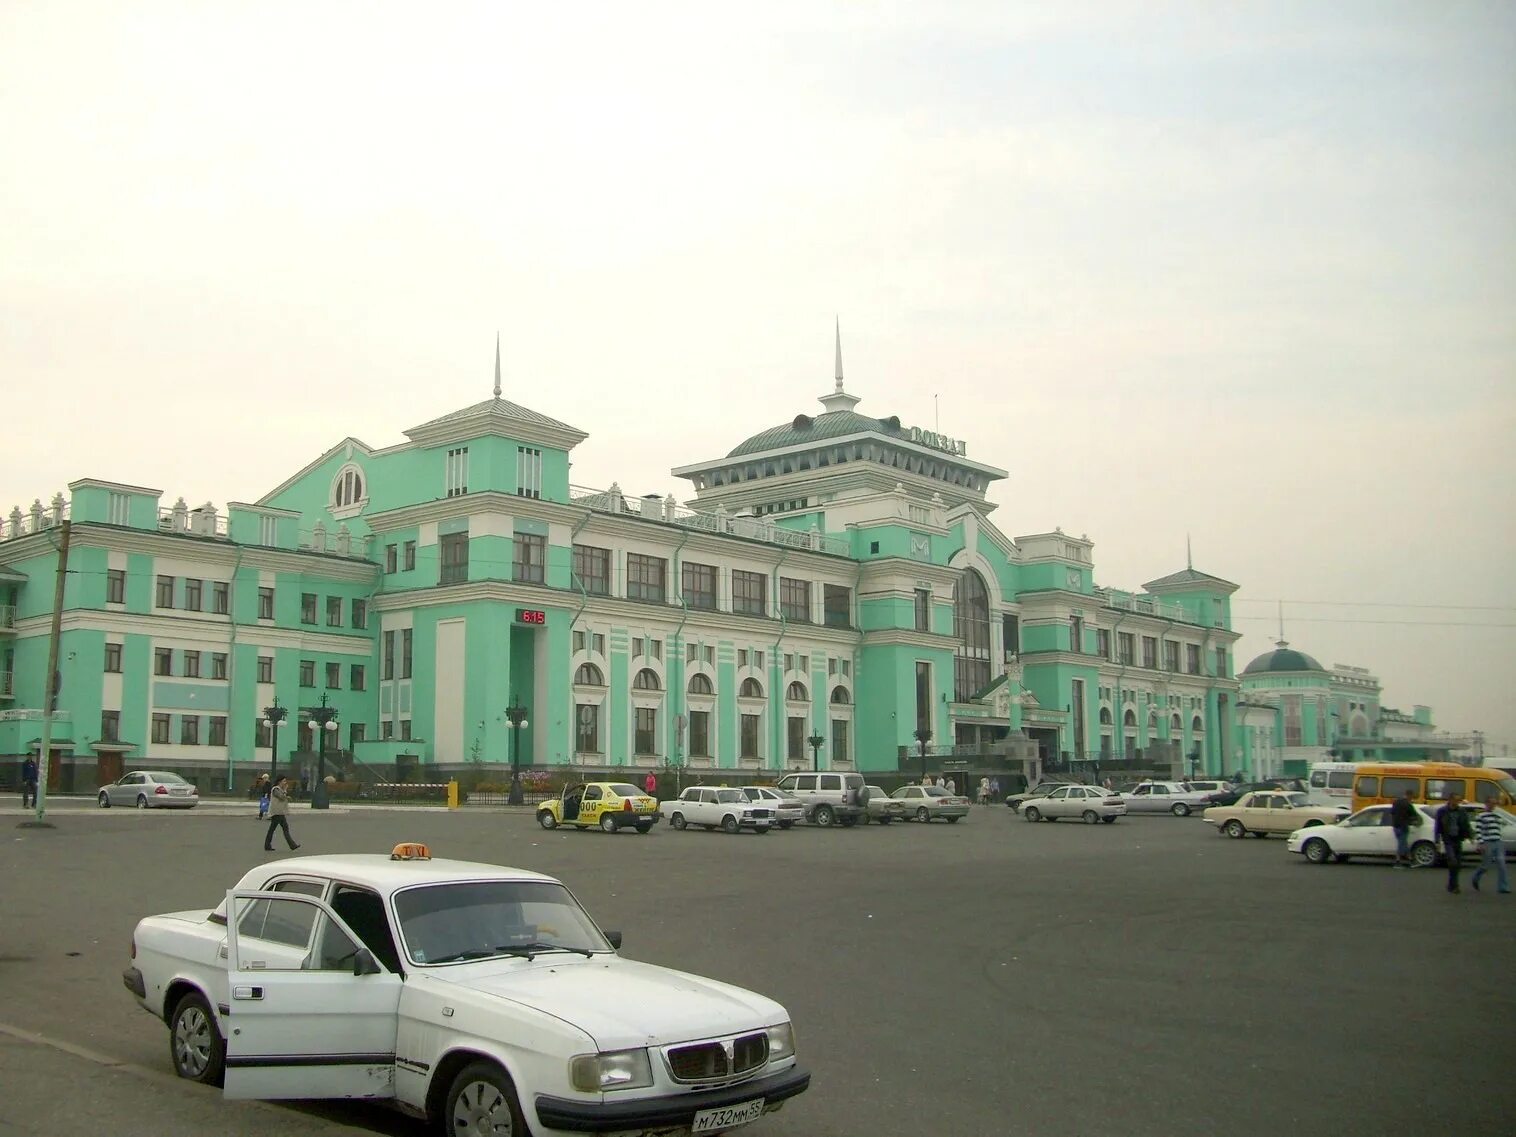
839	400
497	365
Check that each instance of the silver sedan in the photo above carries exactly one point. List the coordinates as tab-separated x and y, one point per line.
1088	803
787	810
150	789
927	803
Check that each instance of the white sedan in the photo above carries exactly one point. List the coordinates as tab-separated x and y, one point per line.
1089	803
1366	834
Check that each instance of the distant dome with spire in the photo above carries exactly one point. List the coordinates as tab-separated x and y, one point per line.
1282	658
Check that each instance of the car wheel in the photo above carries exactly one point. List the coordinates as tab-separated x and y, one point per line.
1312	824
482	1103
1423	854
644	826
729	824
194	1042
1032	813
922	814
762	829
1342	858
141	801
1235	828
105	800
824	816
677	821
1111	820
1090	817
785	824
1180	809
1317	851
608	822
885	820
952	820
546	819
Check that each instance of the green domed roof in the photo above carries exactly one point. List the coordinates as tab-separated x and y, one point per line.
805	429
1282	658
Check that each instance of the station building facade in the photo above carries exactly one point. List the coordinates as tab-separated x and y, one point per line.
834	593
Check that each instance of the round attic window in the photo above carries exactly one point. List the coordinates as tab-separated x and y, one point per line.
801	422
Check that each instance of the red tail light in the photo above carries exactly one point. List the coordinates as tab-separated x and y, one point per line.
161	790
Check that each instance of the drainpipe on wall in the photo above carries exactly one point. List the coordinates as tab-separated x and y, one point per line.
231	670
1164	716
775	734
1118	708
677	702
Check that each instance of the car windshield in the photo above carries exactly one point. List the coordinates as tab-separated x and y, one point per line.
624	789
730	795
449	923
1297	799
166	777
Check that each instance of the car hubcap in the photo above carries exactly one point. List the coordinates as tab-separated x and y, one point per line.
481	1111
192	1042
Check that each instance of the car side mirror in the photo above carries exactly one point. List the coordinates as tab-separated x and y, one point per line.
615	938
364	963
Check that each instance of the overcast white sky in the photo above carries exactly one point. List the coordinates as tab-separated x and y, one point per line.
1245	272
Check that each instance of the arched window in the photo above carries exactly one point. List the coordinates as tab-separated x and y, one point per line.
1197	726
646	680
1129	719
751	689
796	693
588	675
1105	716
840	696
1175	725
971	624
348	490
1152	722
700	684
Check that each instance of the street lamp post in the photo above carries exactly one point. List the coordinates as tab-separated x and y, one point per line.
323	721
817	739
923	736
272	717
515	714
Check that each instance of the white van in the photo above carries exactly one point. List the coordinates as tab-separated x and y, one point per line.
1331	783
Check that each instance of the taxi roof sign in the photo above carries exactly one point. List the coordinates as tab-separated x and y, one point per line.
410	851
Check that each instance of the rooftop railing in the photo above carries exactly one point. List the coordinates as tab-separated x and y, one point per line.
670	512
35	520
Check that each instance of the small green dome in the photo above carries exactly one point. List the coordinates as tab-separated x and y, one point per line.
1282	658
805	429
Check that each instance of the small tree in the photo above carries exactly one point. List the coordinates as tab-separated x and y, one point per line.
475	773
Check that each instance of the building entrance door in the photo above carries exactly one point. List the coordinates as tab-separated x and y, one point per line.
108	767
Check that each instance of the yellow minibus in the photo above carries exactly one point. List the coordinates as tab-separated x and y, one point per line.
1376	783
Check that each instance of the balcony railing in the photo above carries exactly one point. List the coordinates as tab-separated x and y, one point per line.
35	520
7	617
667	510
1142	605
7	684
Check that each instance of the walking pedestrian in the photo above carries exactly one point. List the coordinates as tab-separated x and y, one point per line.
1491	846
952	786
1404	816
278	815
984	791
29	783
1451	831
260	789
650	784
994	789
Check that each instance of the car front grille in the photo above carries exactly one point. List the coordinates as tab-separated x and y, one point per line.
763	813
718	1061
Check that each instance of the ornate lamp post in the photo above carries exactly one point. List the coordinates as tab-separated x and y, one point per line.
323	721
923	736
817	740
272	717
515	714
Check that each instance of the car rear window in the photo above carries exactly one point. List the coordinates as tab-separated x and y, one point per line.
624	789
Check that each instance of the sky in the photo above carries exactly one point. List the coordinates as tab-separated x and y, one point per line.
1240	275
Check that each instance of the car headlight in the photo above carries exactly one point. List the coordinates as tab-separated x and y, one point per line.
781	1042
617	1070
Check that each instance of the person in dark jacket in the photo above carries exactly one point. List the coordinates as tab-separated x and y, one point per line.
1404	816
1452	830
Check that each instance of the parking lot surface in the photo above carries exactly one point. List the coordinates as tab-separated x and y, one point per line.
990	977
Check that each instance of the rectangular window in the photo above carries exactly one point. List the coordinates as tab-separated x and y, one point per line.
646	578
115	586
749	740
691	653
120	506
262	736
113	657
218	731
357	677
655	648
1103	643
700	733
846	667
189	730
699	586
647	724
586	728
405	653
528	472
163	661
838	605
1192	659
265	669
1292	722
1010	633
355	733
1171	657
1149	651
529	558
592	570
194	590
408	556
218	665
758	659
334	611
742	657
265	604
795	739
636	646
579	641
307	673
795	599
1221	664
333	676
405	730
386	730
110	726
839	740
789	661
923	696
923	610
165	593
457	471
454	550
221	597
597	644
1076	634
392	558
1126	647
160	729
749	592
307	607
389	655
360	613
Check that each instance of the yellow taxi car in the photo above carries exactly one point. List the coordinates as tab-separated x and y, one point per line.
610	805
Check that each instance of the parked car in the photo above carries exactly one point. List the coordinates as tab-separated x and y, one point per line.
610	805
1208	786
1089	803
787	810
1041	789
1271	811
828	798
1368	833
1234	795
719	806
150	789
1163	797
323	977
927	803
881	807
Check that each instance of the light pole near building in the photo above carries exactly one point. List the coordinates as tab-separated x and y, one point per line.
923	736
272	717
515	714
323	722
817	740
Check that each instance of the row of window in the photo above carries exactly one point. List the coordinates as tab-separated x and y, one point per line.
162	728
191	663
357	674
1126	651
191	597
404	639
308	609
645	740
588	675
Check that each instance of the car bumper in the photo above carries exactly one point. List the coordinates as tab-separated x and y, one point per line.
671	1110
624	819
132	978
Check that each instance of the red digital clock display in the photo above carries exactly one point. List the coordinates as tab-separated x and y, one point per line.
531	616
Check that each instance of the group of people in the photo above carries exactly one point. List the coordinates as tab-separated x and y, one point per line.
1451	827
989	788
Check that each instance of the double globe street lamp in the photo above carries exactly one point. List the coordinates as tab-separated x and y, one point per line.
515	714
323	721
272	717
817	739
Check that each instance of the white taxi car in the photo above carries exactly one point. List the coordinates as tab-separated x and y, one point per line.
482	999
